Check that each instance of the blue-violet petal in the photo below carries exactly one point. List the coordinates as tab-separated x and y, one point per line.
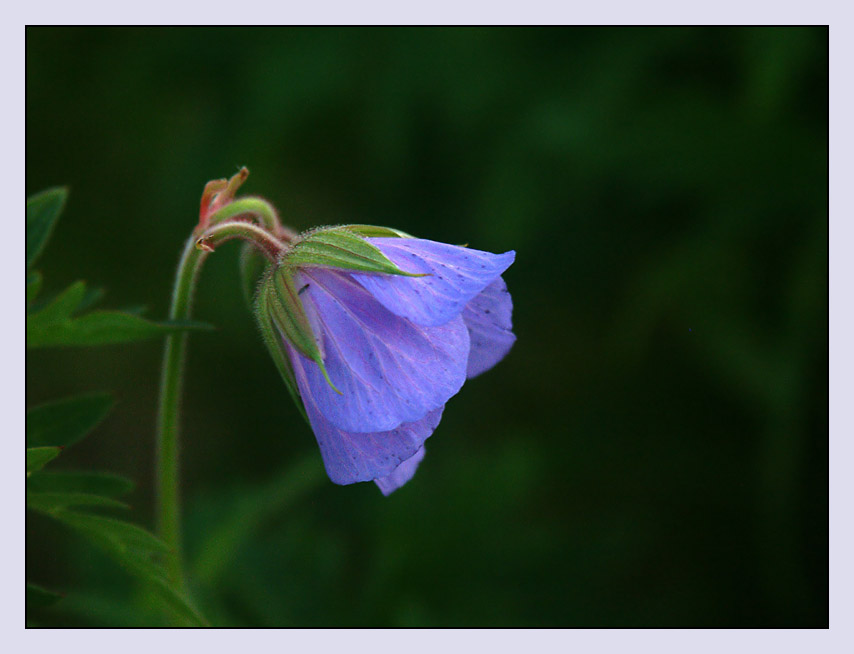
488	319
455	275
389	370
401	474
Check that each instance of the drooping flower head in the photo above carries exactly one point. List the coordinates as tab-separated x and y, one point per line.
373	332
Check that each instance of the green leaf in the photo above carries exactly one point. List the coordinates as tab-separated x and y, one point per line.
252	267
53	326
34	285
59	307
67	421
95	483
90	299
118	531
131	546
38	457
339	247
40	598
135	309
153	575
42	211
51	502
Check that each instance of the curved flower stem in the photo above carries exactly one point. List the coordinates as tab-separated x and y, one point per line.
168	495
168	492
258	207
270	245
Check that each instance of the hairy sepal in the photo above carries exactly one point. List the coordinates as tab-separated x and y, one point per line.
273	339
343	248
285	308
377	230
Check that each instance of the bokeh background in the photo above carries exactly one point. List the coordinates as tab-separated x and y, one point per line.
653	452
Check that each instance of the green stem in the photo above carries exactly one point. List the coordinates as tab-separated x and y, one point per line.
168	487
258	207
168	495
218	234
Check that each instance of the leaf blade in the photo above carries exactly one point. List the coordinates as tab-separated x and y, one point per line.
100	328
38	457
66	421
95	483
122	541
113	529
40	598
50	502
34	285
43	209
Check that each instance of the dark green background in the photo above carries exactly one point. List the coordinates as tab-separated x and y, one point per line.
653	452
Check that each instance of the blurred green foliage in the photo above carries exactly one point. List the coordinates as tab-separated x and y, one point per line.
653	452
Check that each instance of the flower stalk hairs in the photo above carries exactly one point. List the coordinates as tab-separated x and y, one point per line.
371	329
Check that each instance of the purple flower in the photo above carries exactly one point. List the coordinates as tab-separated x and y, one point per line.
385	350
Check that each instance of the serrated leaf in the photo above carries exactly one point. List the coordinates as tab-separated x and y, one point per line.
152	574
34	285
42	211
131	546
135	309
67	421
90	299
59	307
338	247
98	328
40	598
38	457
95	483
252	267
118	531
50	502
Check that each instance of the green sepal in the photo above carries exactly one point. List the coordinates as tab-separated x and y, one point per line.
276	347
38	457
343	248
377	231
286	309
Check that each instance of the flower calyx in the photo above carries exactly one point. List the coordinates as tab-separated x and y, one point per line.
343	247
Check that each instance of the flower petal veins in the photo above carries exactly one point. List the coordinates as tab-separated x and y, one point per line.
389	370
455	276
396	348
350	457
